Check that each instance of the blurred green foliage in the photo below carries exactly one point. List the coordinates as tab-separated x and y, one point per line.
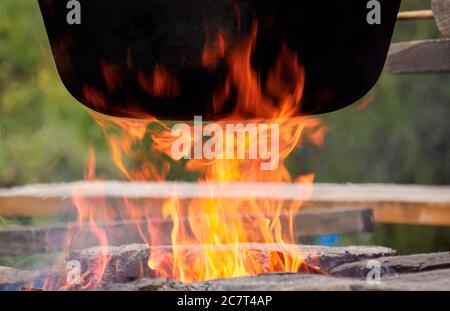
44	132
402	136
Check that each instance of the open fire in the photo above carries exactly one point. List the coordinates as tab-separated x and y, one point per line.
144	150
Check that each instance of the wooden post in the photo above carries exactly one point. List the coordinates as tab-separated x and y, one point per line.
414	15
441	10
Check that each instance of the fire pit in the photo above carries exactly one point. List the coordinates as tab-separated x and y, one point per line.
252	71
125	264
342	268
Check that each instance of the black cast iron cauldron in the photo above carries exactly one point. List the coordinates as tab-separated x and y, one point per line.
342	53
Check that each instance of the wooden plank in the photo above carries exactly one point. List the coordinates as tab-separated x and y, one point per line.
394	265
334	220
14	279
391	204
425	281
23	240
441	10
409	204
27	240
426	56
434	280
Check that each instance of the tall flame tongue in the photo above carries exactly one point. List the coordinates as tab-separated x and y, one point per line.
220	229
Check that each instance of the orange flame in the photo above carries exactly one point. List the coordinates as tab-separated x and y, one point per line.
213	53
161	84
112	76
209	224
